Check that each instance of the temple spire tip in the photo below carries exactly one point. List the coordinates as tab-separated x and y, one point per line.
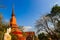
13	10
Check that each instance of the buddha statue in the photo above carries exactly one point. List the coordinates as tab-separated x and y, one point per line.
7	36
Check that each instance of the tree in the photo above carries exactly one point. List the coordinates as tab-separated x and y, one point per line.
54	18
55	10
42	36
13	37
42	24
3	27
36	38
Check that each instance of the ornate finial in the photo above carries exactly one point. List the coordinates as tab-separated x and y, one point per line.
13	10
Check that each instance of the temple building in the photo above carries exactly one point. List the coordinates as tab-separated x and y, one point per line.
17	31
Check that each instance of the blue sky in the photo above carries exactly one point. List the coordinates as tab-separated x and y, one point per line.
27	11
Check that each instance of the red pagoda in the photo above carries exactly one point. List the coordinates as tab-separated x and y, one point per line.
17	31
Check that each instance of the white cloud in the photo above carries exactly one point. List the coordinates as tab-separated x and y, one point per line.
28	28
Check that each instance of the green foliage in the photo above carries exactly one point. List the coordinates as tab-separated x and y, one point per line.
59	35
13	37
3	27
55	10
42	36
35	38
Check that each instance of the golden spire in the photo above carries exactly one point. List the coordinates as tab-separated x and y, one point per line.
13	10
13	18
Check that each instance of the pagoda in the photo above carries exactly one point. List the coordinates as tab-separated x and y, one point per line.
15	29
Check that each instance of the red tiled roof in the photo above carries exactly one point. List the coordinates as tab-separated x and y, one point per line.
17	32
